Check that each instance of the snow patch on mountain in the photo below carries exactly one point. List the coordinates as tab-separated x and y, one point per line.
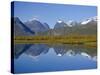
89	20
59	21
71	23
85	22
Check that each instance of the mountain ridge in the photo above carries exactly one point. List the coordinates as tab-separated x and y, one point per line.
88	26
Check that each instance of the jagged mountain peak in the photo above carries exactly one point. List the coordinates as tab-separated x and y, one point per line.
91	19
94	18
59	21
33	19
71	23
16	19
37	26
20	28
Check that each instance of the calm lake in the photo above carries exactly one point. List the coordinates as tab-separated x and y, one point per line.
30	58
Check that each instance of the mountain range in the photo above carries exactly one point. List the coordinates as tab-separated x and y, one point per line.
35	27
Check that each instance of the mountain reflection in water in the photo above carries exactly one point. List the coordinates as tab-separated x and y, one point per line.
60	50
43	58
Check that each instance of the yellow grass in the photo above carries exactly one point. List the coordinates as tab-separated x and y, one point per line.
88	40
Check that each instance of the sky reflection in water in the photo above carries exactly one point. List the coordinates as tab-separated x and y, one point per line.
32	58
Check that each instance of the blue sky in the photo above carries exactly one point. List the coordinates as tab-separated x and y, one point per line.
50	13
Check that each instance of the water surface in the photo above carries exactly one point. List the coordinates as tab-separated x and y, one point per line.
30	58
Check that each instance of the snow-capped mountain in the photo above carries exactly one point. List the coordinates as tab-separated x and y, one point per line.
92	19
60	24
20	28
37	26
95	18
71	23
34	26
59	21
86	27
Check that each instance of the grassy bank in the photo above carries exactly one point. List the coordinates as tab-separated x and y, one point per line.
89	40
